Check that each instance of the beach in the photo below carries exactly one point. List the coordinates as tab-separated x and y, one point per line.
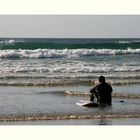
42	79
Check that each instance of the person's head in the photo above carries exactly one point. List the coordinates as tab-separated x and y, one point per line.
101	79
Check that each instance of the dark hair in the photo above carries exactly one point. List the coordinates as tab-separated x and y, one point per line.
101	79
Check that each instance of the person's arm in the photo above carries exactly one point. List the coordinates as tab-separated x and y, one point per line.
94	90
111	89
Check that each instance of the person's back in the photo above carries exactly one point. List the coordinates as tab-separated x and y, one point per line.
102	92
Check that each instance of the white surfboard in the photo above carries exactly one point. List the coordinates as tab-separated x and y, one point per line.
87	103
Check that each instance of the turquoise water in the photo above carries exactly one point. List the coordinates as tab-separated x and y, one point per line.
36	62
42	43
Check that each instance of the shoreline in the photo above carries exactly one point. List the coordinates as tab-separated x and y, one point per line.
37	117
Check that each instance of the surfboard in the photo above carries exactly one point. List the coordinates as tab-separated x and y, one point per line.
87	103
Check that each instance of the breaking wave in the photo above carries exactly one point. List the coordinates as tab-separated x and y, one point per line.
59	82
128	42
10	42
69	53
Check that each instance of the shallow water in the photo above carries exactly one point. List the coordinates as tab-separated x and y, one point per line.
54	101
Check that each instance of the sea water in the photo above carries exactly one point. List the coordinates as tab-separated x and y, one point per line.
37	75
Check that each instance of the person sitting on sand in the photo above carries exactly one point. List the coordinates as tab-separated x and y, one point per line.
102	92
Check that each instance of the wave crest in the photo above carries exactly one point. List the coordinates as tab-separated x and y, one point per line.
69	53
10	42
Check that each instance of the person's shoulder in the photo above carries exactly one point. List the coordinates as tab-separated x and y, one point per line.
107	83
97	86
100	85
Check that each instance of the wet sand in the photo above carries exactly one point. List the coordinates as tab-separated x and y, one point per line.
124	121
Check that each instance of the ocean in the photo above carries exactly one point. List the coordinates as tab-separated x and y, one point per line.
45	77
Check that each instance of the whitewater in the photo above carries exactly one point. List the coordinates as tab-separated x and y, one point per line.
69	53
44	61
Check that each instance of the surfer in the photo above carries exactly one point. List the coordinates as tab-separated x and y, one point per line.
102	92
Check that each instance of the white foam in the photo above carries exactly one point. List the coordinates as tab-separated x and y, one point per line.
69	68
10	42
69	53
128	42
136	41
124	42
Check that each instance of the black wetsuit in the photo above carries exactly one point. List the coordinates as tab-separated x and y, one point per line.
103	93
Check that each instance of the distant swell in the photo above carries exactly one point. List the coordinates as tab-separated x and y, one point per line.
69	53
37	43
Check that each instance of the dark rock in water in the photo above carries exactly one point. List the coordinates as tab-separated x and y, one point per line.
122	101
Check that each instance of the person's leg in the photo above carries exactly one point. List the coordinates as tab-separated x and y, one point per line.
92	97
